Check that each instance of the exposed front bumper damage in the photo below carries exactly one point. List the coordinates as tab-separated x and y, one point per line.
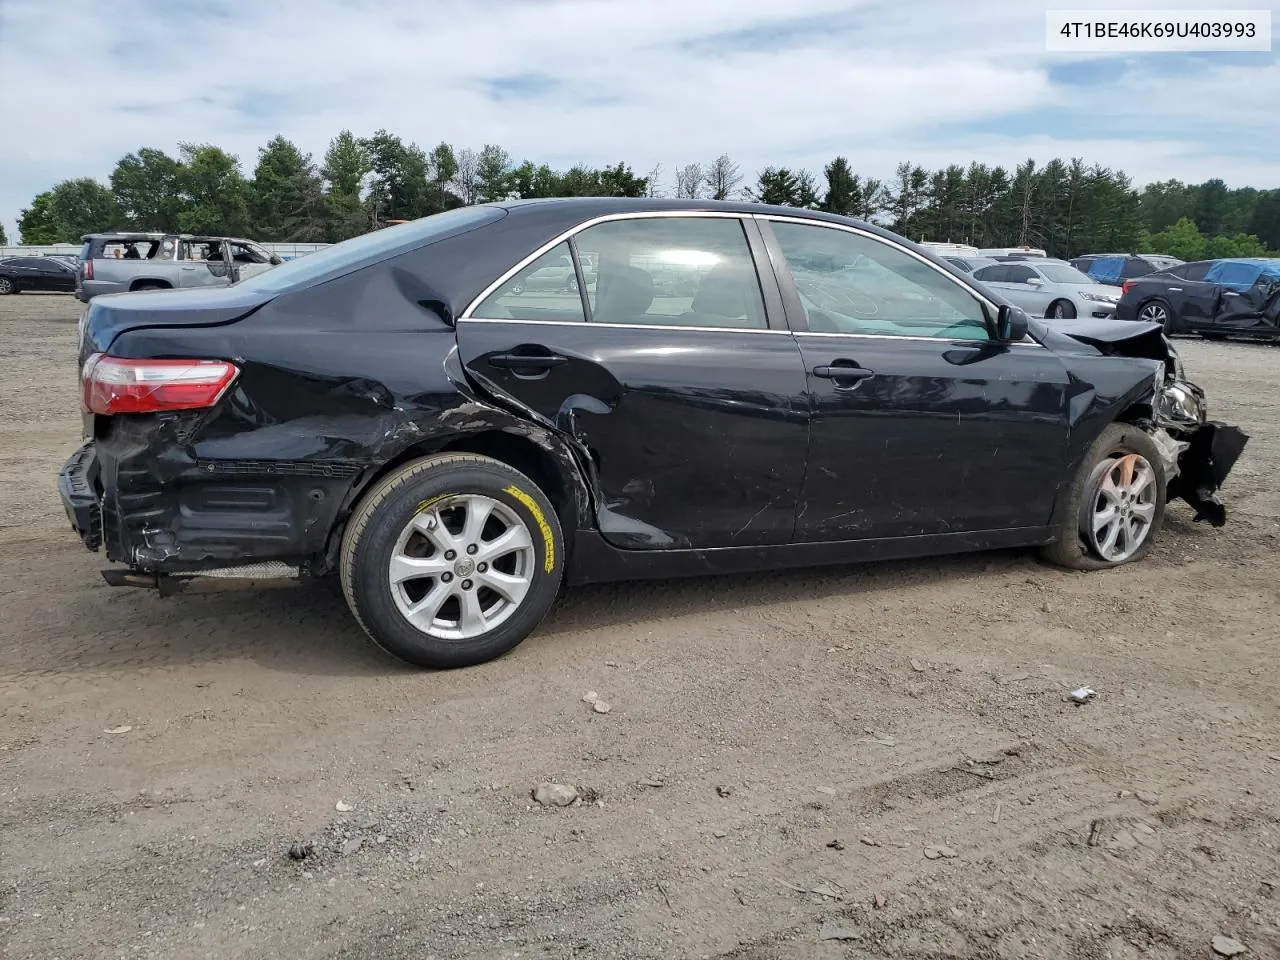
1198	452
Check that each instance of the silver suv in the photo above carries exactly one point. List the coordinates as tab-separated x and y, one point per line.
121	262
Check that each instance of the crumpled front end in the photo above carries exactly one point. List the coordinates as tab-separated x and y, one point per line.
1199	452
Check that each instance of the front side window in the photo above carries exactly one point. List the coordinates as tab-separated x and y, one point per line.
675	271
1019	275
546	289
851	283
1062	273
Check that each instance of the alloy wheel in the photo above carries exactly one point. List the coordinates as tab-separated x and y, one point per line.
1123	506
461	567
1154	313
6	286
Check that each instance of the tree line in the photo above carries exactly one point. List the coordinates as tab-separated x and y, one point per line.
1067	207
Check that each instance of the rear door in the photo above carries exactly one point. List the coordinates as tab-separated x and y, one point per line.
922	424
1193	298
688	402
203	263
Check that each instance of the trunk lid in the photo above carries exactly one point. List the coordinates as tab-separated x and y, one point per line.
106	317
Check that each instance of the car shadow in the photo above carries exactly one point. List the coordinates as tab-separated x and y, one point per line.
308	630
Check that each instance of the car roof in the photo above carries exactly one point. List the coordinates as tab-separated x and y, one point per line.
587	207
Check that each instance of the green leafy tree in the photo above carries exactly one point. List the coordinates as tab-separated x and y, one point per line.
843	194
146	188
4	239
346	164
400	189
67	212
776	186
1264	222
286	198
443	165
619	181
529	182
1237	245
215	193
37	224
1182	240
495	174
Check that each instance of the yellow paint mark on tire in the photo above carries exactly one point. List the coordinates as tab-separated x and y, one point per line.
549	558
425	505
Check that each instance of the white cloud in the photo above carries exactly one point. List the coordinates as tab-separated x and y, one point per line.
637	80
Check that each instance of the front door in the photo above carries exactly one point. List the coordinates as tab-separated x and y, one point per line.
922	424
686	395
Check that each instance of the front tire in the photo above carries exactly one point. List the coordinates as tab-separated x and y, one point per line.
452	560
1062	310
1115	507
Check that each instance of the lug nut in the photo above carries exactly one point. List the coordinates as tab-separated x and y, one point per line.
450	554
466	584
446	577
472	548
482	567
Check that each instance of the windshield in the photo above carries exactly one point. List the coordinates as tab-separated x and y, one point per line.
1061	273
369	248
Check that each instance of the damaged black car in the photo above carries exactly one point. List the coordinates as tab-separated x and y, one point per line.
723	387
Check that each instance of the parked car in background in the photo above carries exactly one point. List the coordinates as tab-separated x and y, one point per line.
1050	288
127	262
390	411
36	273
998	252
948	250
1115	268
970	264
1214	298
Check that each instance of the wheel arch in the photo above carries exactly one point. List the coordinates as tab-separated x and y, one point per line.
538	455
154	282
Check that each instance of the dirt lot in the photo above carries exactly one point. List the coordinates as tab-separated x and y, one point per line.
882	754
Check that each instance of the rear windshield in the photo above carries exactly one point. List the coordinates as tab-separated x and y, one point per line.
362	251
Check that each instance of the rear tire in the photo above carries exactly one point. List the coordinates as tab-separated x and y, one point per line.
1157	311
1062	310
1087	501
435	583
7	287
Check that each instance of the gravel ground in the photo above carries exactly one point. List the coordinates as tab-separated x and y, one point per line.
845	762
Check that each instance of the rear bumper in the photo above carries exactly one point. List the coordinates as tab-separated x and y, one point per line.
78	488
145	497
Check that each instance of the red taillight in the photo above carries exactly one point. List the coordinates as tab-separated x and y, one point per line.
1124	287
111	385
87	272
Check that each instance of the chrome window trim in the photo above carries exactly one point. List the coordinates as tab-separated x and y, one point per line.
468	312
623	326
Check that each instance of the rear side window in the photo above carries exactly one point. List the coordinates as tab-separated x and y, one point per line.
1135	268
1019	274
1107	268
129	249
674	271
1195	271
991	274
546	290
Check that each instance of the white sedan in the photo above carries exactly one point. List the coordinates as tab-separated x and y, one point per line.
1050	288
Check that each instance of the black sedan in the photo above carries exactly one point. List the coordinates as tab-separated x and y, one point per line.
403	411
36	273
1214	298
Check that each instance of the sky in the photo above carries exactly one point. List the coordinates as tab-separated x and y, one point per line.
770	82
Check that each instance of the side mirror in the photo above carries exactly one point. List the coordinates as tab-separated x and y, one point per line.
1036	282
1011	324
